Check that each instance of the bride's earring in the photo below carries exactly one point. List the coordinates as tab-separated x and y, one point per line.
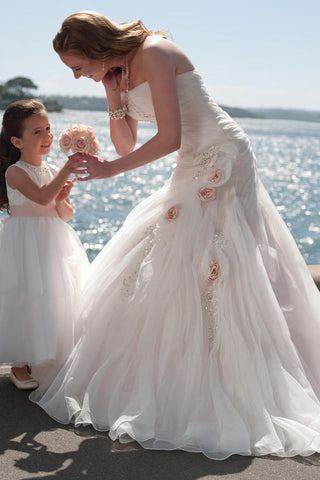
103	66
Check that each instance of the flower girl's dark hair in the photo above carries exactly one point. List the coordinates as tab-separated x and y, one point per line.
12	126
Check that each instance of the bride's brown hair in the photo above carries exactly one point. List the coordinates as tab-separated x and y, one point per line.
95	36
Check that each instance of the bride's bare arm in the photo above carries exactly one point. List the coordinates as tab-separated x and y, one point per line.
123	132
159	69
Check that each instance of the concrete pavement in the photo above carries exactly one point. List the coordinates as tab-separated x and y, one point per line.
33	446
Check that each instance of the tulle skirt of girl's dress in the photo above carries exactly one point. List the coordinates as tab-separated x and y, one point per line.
43	268
197	339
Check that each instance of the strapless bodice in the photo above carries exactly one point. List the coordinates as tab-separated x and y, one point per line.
208	132
201	117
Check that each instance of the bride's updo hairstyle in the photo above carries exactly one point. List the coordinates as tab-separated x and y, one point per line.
95	36
12	126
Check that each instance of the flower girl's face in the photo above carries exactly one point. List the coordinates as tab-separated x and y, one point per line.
83	66
36	137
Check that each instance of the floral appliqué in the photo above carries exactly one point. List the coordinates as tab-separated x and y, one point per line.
173	213
148	239
210	295
210	302
206	160
206	194
214	165
216	177
214	271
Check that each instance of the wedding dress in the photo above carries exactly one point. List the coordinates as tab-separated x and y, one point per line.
202	326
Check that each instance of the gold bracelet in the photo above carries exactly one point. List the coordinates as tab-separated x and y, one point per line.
118	114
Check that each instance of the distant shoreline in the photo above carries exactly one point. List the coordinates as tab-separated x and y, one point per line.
101	104
56	103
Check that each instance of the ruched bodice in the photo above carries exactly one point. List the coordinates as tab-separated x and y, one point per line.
208	132
201	118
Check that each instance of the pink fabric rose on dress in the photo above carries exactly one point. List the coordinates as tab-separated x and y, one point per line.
206	194
79	138
214	271
173	213
216	177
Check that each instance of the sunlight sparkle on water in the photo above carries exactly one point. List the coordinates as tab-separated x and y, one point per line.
288	157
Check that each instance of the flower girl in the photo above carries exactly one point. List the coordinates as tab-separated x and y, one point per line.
42	260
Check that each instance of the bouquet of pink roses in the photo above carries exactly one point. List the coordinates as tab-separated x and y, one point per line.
79	138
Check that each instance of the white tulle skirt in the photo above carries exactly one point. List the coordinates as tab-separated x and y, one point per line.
43	268
196	338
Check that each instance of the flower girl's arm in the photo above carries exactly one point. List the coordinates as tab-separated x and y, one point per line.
65	210
63	205
20	180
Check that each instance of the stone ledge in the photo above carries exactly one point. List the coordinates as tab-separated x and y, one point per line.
4	370
315	272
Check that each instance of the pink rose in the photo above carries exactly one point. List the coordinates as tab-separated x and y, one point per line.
206	194
93	146
216	177
80	144
75	129
172	213
214	271
65	141
90	132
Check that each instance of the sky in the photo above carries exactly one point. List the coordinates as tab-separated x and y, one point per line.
251	53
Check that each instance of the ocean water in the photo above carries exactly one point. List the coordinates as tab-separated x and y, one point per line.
288	155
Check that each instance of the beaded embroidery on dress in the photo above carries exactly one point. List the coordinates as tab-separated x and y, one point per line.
202	320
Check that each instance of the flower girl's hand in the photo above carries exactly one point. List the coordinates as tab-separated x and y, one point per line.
91	166
65	190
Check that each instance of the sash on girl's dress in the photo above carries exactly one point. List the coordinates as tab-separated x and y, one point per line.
32	210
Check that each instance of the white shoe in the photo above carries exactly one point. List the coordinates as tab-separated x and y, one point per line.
23	384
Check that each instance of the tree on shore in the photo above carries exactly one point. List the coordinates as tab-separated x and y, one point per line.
2	90
20	88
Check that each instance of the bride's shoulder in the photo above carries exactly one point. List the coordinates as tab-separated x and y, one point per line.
158	52
154	55
155	44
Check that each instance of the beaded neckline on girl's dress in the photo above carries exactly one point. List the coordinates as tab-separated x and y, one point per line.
40	168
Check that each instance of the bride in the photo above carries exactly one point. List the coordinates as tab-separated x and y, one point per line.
201	319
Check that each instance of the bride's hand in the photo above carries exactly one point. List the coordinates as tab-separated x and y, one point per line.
91	166
112	80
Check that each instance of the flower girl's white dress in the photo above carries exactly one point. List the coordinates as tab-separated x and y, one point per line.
202	320
43	267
